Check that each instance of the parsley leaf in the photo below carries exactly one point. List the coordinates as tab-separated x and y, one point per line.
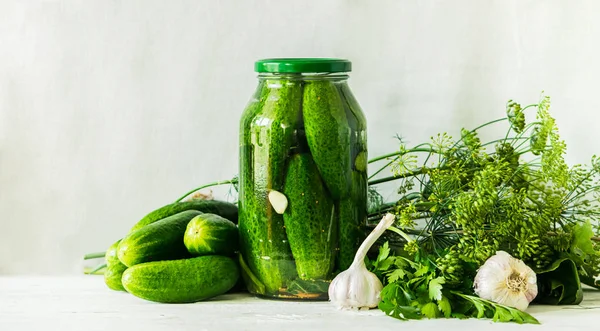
444	306
435	288
396	275
384	252
498	312
430	310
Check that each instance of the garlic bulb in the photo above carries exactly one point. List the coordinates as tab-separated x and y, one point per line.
357	287
506	280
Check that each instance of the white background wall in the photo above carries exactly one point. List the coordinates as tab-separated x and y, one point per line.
109	109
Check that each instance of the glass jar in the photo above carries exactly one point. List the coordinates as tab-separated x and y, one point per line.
303	180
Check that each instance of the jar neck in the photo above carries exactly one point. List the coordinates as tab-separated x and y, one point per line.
335	77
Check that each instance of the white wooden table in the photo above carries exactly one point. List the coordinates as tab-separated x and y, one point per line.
83	303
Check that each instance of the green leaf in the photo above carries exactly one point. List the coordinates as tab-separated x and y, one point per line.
504	315
423	270
396	294
581	245
498	312
480	308
430	310
559	284
445	306
407	312
524	317
396	275
435	288
385	264
399	312
252	282
308	286
384	252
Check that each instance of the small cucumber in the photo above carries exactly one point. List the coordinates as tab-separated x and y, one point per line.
309	220
352	209
221	208
161	240
353	219
111	253
182	281
328	135
209	234
113	274
114	268
267	134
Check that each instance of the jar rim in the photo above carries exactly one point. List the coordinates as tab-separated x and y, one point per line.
302	76
302	65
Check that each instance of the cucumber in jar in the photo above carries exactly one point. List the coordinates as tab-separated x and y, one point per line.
353	218
328	135
309	220
353	209
268	133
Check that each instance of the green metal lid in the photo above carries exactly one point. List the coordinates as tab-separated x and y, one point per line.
302	65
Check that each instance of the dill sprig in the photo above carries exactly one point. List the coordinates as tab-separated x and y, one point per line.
464	199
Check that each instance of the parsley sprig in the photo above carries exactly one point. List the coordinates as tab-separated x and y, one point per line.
415	289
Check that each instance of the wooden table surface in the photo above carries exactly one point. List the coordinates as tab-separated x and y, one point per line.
83	303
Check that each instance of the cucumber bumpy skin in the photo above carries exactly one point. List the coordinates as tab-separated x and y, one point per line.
114	268
328	135
113	275
210	234
161	240
267	134
221	208
111	256
352	209
353	218
309	220
182	281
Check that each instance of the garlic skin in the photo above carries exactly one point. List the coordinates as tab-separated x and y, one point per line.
506	280
357	287
200	196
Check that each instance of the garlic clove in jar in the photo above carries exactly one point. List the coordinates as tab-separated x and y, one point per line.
506	280
279	201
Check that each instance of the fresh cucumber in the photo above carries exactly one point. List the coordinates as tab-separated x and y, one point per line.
328	135
111	253
267	135
182	281
221	208
114	268
309	220
161	240
209	234
113	274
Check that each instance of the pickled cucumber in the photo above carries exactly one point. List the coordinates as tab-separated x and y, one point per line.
353	218
353	209
267	133
309	219
328	135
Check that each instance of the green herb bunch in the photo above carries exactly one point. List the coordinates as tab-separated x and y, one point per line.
415	289
464	199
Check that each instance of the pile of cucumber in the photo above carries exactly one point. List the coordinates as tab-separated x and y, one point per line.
182	252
